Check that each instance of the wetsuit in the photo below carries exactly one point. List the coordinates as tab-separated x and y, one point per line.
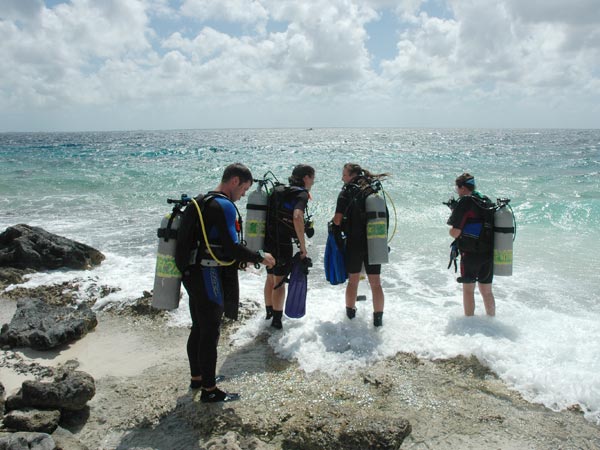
280	227
351	204
476	240
212	289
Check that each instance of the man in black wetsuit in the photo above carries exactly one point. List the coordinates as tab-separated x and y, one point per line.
208	254
474	237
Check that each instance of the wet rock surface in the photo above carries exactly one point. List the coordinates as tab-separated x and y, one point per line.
26	441
41	326
26	247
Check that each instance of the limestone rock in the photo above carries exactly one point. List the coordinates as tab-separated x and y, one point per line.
27	441
32	420
232	441
335	431
65	440
70	391
41	326
26	247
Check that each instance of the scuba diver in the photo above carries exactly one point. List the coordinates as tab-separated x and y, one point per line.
208	253
350	220
472	227
286	226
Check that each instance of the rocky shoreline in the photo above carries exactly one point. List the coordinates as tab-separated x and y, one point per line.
405	401
138	368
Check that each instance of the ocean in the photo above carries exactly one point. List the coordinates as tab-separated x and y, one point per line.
109	190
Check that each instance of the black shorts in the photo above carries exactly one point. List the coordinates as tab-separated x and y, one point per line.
356	257
476	267
283	254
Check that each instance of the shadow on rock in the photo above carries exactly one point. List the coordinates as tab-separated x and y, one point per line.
252	358
183	427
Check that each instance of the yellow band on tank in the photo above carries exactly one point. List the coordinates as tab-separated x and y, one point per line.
166	267
503	257
256	228
377	230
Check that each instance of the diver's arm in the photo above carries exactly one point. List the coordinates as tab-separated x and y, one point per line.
455	232
337	218
299	228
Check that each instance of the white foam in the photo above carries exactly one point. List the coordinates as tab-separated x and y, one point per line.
548	356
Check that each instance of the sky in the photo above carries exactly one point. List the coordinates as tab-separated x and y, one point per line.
87	65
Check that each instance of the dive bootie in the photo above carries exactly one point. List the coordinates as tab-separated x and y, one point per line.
378	319
269	312
276	322
217	395
350	312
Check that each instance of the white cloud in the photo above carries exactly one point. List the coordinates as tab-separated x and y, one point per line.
117	52
492	47
244	11
21	9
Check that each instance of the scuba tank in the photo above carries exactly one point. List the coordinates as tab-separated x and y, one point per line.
167	278
504	231
377	237
256	217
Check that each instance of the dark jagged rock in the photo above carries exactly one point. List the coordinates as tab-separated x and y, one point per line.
2	393
26	247
15	401
30	419
27	441
41	326
69	391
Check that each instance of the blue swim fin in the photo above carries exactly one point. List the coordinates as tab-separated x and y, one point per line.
335	266
295	303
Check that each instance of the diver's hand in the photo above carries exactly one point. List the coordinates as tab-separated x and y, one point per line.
268	260
303	253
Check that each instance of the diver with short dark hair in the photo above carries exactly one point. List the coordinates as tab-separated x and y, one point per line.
473	235
208	252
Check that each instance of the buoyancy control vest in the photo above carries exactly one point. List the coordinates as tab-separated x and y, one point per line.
280	216
477	234
367	216
205	245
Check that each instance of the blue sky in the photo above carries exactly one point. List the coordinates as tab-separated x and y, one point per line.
161	64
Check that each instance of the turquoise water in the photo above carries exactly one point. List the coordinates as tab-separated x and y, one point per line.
109	190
